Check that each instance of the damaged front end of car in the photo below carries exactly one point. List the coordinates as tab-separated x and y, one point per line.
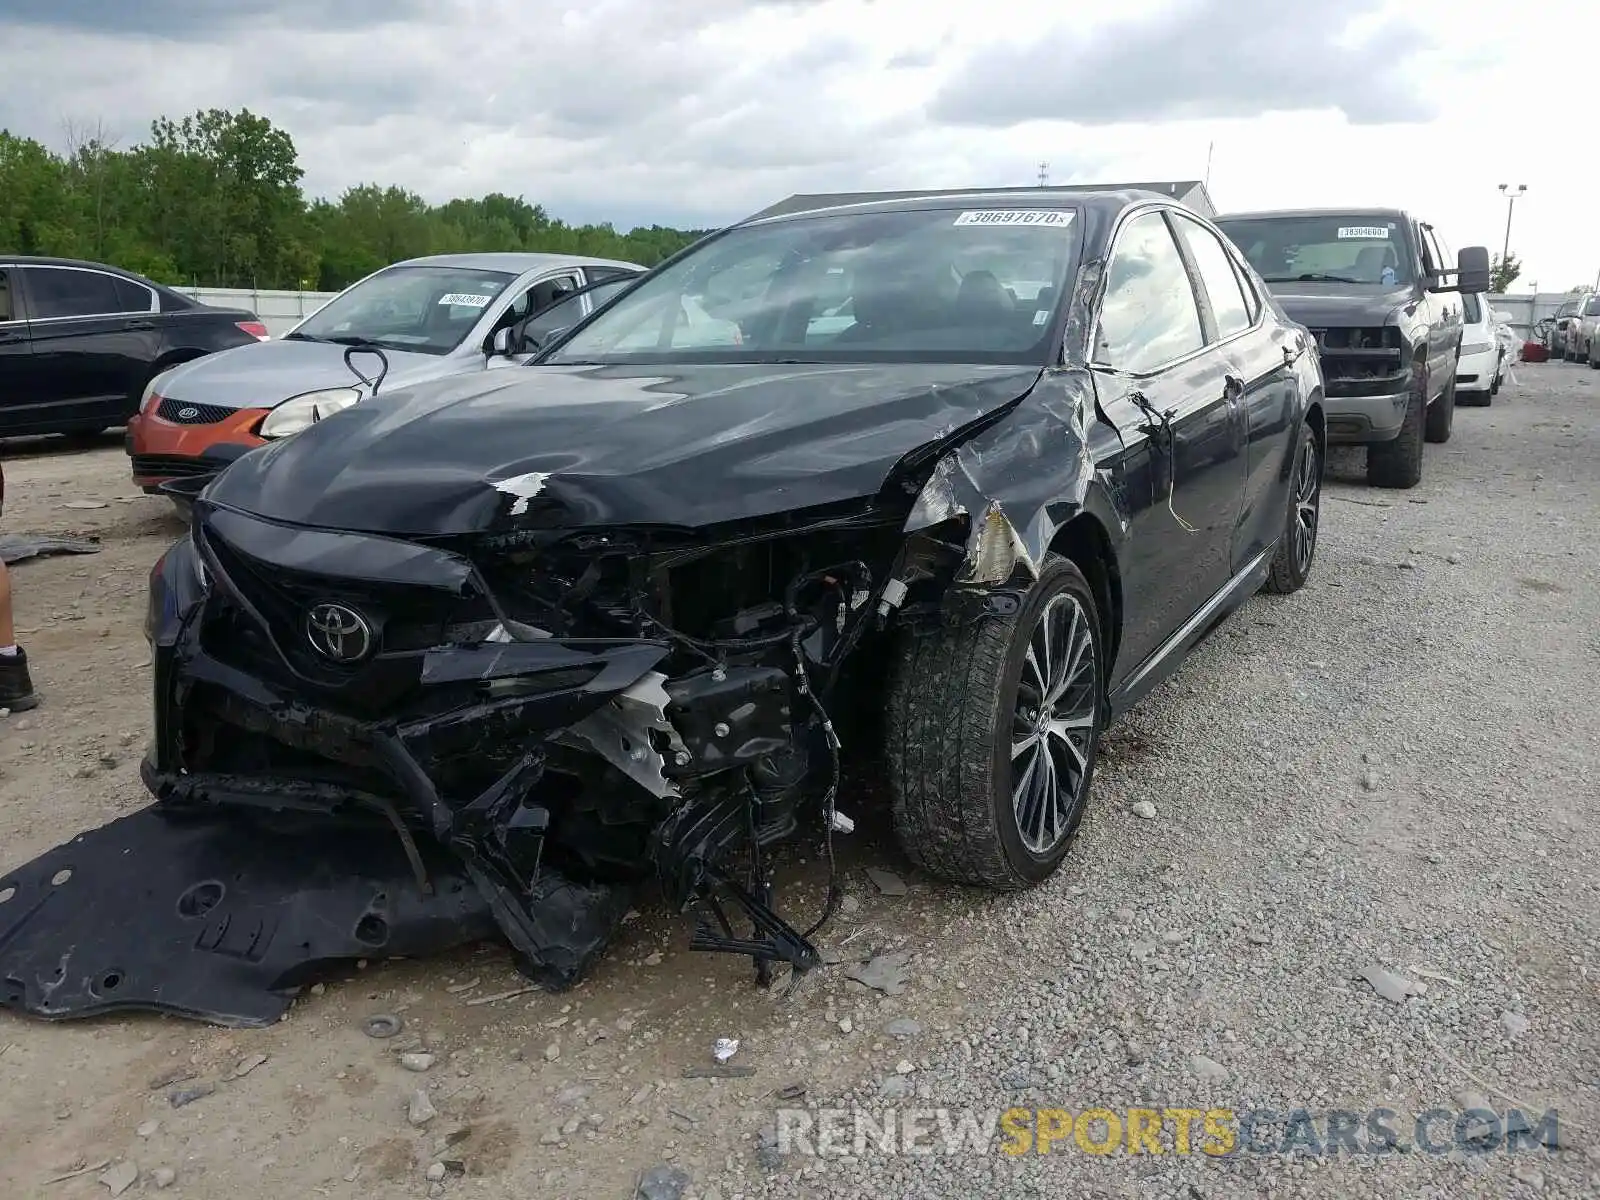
366	746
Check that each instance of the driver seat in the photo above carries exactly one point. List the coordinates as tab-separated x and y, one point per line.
1372	260
980	298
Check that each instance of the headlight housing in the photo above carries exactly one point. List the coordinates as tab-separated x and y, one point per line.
1476	348
178	582
302	411
152	389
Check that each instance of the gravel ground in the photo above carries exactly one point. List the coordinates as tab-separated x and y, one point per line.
1391	769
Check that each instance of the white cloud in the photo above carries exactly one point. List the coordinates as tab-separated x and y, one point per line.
688	113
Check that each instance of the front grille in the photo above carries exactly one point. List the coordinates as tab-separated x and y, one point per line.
405	620
181	412
1361	360
170	466
1355	337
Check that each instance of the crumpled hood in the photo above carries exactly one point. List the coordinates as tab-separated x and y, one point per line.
265	374
569	446
1340	305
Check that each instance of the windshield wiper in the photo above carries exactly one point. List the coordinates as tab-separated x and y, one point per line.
302	337
1310	278
351	339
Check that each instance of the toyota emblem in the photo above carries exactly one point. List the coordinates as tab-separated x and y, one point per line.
188	413
339	634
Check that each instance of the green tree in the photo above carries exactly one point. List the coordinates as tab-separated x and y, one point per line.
215	199
35	210
1504	272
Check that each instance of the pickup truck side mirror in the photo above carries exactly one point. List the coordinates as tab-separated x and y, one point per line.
1472	270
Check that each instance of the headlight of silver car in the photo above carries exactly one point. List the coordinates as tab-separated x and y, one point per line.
152	388
1476	348
301	412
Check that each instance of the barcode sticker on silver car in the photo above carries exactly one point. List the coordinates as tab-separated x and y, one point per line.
1015	216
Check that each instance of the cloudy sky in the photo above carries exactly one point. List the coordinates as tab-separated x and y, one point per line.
692	112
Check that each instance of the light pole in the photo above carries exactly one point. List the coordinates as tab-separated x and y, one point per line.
1511	200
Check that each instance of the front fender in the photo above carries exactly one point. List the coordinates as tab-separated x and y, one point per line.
1019	482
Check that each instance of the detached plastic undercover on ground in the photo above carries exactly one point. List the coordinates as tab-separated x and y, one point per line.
219	916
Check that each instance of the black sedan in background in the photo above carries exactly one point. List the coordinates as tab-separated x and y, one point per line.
79	341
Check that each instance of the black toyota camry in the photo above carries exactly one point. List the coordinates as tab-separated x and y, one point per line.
941	483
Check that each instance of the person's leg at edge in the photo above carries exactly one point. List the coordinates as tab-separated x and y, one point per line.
16	689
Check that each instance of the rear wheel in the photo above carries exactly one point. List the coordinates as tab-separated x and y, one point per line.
1397	463
992	731
1291	565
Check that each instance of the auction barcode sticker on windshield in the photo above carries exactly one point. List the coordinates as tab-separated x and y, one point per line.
464	300
1363	231
1015	216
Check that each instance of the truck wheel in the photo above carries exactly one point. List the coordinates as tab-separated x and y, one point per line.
1442	414
992	730
1291	565
1398	463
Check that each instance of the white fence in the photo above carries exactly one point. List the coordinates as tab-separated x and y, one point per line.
1528	308
279	311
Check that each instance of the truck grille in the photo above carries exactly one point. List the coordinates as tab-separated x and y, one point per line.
1361	360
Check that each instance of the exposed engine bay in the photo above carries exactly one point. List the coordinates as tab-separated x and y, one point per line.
536	724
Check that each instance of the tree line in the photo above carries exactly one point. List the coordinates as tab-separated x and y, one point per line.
214	200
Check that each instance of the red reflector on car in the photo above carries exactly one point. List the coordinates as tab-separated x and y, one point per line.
255	329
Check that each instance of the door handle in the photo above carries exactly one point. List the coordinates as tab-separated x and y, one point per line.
140	325
12	337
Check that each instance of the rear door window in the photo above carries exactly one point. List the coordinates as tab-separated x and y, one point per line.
8	307
59	292
134	297
1228	303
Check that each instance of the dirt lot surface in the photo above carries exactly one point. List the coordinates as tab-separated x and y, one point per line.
1395	768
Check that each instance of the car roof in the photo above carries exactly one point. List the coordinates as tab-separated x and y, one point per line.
1022	198
516	262
1355	210
37	260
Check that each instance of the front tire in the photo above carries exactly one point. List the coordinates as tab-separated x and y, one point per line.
1442	415
1397	463
1291	565
992	732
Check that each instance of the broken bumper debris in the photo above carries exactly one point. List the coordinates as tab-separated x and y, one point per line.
457	791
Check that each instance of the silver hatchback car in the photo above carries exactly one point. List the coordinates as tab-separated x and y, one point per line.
417	320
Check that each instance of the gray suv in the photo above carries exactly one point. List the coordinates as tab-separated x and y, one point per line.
1373	287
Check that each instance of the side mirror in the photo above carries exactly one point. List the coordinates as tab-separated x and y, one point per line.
1472	269
500	343
1501	314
